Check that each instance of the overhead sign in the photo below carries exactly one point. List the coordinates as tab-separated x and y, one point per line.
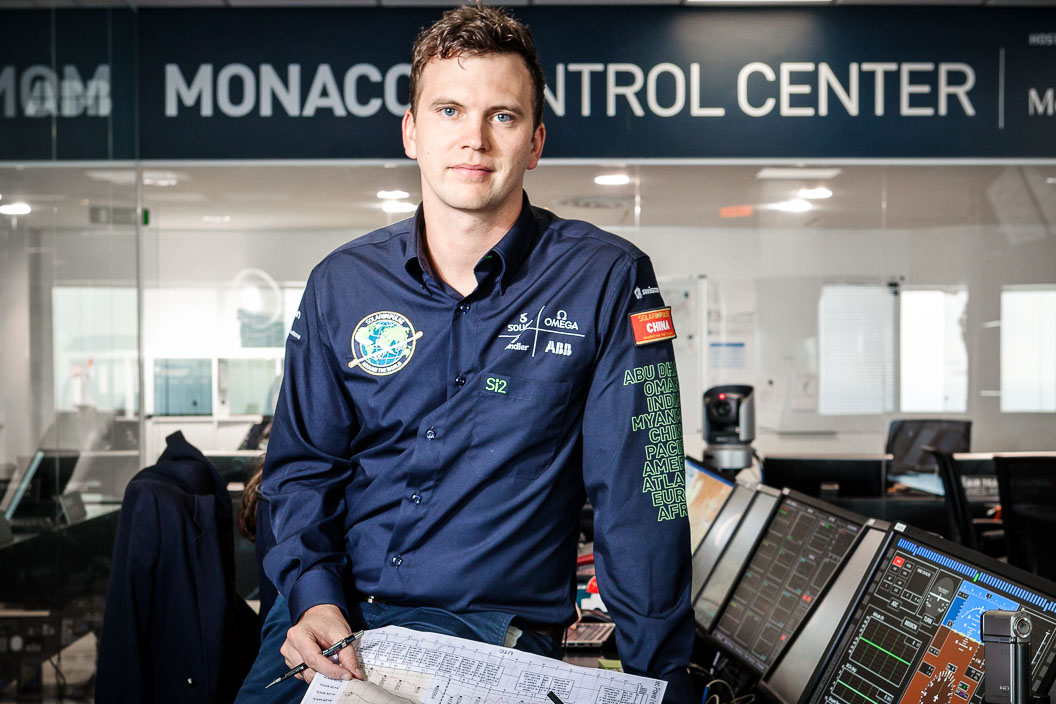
654	82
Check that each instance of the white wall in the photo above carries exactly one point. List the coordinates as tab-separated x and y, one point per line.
785	269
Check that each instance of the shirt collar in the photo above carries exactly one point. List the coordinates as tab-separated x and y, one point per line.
511	249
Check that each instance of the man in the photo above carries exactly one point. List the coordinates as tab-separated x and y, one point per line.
458	383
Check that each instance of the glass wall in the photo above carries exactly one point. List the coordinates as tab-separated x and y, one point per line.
847	295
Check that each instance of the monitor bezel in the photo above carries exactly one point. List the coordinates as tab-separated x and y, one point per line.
760	489
750	490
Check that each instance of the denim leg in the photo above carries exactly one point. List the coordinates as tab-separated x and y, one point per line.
270	663
486	627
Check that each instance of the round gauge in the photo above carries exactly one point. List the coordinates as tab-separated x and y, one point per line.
939	689
938	598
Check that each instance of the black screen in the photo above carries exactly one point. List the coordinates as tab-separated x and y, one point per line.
718	585
797	556
789	678
914	638
718	535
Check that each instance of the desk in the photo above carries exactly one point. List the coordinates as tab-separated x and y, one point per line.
49	569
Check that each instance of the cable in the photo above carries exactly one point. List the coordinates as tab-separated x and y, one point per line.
60	679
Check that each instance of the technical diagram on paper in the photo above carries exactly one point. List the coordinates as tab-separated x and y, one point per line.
427	668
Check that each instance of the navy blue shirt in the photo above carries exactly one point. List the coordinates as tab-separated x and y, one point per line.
431	449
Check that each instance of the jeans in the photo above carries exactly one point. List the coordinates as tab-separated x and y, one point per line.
488	627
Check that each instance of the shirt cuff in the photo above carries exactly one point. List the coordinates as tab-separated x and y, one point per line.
319	586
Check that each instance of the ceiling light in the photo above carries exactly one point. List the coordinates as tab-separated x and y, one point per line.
804	174
796	205
161	179
612	180
393	195
398	206
814	193
216	218
15	209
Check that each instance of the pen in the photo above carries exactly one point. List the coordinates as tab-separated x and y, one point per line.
554	698
328	652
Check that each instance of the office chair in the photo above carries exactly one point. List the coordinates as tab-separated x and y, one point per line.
1027	486
906	439
981	534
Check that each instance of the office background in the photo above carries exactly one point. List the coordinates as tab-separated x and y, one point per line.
873	259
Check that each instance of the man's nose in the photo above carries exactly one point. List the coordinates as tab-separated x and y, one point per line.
475	136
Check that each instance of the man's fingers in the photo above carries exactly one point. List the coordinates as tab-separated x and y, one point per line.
322	664
350	662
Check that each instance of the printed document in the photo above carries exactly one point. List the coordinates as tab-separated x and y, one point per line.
427	668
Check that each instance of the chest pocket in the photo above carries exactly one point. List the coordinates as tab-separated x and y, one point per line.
517	423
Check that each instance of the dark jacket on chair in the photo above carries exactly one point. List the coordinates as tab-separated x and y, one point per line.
174	629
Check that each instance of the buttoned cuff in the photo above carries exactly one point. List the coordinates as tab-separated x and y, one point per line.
318	586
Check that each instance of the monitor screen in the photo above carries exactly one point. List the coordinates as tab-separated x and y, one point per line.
799	552
906	439
30	493
705	495
790	676
729	566
710	549
915	636
817	476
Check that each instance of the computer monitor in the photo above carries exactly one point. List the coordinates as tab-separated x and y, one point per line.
32	493
719	584
914	637
801	548
235	466
706	493
843	476
907	437
788	681
710	549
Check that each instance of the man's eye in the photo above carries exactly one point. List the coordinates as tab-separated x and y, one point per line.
448	112
503	117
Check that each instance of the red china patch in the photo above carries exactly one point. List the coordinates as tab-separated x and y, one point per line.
652	326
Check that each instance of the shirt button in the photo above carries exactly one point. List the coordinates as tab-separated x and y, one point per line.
464	307
397	560
430	434
460	380
416	498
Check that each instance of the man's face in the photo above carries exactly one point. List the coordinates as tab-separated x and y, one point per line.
472	133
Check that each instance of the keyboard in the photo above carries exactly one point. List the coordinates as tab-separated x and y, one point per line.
589	635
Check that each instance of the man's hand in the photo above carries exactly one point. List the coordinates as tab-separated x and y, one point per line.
320	627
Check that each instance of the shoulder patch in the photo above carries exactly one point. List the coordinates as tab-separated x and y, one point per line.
652	326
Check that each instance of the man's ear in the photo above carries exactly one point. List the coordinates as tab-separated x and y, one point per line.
410	145
537	146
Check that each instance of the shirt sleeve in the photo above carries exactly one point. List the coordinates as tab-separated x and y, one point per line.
307	468
634	473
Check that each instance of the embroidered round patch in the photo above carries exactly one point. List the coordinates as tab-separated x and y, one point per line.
383	343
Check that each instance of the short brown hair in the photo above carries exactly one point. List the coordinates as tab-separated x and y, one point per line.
474	30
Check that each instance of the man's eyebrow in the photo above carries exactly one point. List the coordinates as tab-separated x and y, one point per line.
442	100
507	108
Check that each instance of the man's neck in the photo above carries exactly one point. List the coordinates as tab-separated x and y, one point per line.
456	241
